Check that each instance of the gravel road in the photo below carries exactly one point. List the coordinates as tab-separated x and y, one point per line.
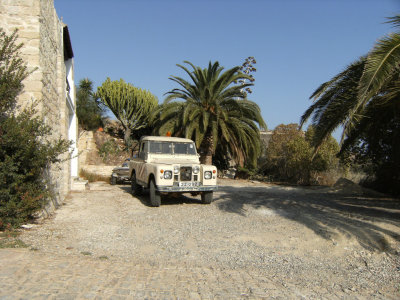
306	242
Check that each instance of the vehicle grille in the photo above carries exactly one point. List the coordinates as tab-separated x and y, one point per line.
186	173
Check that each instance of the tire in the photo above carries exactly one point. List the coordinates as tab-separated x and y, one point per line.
136	189
113	180
206	197
155	197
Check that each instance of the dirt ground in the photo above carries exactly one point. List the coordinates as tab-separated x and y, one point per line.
340	242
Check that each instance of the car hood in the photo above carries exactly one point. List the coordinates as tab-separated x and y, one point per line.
121	169
175	161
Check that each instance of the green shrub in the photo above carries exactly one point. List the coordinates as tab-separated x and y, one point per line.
110	147
290	156
245	173
27	148
26	152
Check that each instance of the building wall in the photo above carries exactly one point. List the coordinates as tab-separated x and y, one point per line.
24	15
41	32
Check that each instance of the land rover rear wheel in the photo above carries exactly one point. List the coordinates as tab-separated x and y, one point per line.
136	188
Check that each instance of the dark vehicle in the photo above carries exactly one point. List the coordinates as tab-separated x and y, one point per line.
120	174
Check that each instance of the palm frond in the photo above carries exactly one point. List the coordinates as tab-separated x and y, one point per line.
395	20
334	100
382	62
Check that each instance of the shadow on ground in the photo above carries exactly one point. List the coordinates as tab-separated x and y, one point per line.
325	213
165	199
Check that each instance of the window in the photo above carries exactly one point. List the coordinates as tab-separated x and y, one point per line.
143	149
160	147
184	148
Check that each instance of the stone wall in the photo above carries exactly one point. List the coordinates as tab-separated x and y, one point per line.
41	32
87	147
24	15
101	170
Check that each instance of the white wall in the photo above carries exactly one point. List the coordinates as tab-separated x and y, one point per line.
72	129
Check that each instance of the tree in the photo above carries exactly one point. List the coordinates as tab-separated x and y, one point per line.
214	111
333	101
13	71
377	150
27	146
356	99
289	156
381	72
347	98
88	110
132	106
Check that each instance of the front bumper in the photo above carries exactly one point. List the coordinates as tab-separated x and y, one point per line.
169	188
121	177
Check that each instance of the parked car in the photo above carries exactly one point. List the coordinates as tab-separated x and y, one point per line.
121	174
171	165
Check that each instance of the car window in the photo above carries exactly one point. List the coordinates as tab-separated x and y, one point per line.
160	147
142	152
184	148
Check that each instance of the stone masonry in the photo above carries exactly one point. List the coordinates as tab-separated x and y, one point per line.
51	84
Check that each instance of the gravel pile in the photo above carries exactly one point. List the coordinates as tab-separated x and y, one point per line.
310	239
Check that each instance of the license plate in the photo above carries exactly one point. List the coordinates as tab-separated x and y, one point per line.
188	184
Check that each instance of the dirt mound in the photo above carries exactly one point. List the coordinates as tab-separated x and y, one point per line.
344	185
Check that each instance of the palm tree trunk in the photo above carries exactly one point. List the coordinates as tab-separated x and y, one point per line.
207	147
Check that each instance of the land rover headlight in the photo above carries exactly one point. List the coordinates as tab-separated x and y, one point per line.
167	174
176	169
196	170
207	175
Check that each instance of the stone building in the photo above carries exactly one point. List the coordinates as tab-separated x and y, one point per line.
47	50
265	136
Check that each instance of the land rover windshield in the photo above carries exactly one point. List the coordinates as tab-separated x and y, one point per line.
161	147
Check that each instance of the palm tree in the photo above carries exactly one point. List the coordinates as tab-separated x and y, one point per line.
382	67
334	101
213	111
89	111
350	98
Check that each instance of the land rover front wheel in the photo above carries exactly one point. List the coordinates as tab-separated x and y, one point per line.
155	197
206	197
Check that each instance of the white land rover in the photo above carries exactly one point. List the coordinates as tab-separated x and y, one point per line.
171	165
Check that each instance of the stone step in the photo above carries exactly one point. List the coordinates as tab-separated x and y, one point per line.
79	184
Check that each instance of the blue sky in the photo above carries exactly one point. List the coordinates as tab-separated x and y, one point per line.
298	44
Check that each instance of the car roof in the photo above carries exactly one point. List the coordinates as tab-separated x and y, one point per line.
166	139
